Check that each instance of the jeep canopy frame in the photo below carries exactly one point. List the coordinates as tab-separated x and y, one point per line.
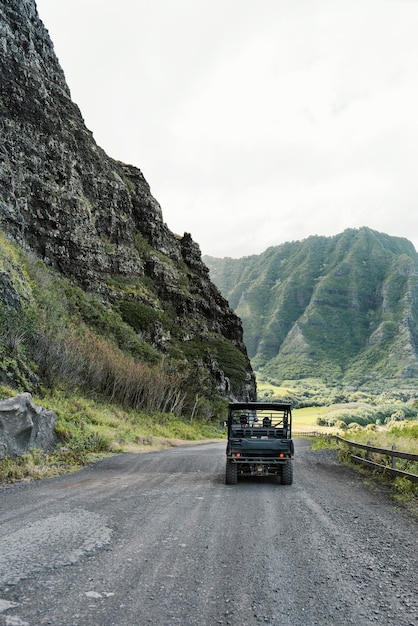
260	415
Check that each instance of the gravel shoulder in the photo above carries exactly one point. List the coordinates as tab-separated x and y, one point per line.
159	539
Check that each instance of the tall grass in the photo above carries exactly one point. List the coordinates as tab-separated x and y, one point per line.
404	435
86	360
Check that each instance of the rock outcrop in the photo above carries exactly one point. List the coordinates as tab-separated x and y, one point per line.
25	426
88	216
62	196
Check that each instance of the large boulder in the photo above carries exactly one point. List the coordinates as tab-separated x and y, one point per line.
23	426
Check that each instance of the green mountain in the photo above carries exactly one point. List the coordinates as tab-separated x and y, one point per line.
95	290
343	308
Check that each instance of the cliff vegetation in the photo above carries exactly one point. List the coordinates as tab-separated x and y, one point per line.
97	296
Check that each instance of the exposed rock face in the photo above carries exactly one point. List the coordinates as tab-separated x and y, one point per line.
85	214
61	195
8	294
23	426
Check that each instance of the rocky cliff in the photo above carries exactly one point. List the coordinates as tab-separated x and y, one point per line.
94	220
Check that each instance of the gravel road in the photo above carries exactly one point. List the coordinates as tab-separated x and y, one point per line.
158	539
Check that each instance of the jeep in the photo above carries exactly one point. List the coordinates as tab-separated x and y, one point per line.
259	441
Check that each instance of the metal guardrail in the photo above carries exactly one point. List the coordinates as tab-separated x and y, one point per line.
394	454
369	449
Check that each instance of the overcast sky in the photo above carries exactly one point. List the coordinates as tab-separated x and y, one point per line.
255	122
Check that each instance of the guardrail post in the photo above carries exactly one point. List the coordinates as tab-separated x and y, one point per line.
368	453
393	457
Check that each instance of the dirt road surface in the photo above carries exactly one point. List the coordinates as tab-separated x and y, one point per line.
159	539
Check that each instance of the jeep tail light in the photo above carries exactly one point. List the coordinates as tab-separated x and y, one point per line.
282	455
237	453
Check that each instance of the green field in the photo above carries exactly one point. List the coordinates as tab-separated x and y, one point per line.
305	420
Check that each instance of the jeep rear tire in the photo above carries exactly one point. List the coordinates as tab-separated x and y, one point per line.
231	477
287	473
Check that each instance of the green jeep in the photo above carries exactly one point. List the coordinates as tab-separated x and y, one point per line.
259	441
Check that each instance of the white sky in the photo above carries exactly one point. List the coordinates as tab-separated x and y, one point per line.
255	122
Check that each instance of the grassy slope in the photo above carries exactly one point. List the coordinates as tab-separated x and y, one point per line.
90	428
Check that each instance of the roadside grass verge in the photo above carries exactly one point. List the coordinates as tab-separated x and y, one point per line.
405	438
404	435
90	428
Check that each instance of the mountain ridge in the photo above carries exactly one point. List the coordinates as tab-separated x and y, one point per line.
328	307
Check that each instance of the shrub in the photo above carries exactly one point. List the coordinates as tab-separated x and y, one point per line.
110	372
58	363
11	470
138	315
397	416
354	427
91	442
